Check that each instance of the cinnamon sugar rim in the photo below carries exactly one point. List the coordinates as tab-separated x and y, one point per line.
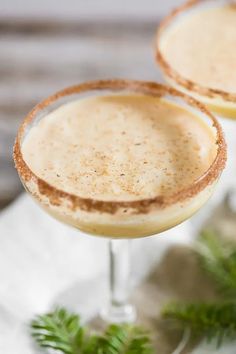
175	75
57	196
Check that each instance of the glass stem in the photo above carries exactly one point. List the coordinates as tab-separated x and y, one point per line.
119	310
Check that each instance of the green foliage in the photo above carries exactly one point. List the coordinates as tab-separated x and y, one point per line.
218	258
212	320
126	339
62	331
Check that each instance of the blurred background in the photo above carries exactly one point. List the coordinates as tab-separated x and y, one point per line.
47	45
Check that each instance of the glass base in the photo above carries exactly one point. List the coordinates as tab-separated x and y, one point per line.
183	342
119	314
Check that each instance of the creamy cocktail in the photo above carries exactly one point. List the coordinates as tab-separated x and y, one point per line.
121	159
195	48
197	52
122	148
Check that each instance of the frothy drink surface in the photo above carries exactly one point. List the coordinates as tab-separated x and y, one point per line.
201	47
120	147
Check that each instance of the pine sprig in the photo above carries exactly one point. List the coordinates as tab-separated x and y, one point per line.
126	339
212	321
62	331
218	258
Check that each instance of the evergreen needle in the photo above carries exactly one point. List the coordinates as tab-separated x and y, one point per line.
62	331
218	258
213	321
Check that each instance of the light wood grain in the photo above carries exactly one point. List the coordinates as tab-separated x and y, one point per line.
80	9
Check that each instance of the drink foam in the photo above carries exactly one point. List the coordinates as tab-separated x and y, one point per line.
120	147
201	47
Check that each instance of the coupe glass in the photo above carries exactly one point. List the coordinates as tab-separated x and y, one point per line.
221	102
120	220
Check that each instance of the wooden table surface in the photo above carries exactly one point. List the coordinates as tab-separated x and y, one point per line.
38	58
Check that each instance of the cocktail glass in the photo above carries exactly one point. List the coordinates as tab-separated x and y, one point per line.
221	102
120	220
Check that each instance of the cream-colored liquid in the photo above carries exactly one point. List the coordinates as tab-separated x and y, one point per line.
120	148
201	47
